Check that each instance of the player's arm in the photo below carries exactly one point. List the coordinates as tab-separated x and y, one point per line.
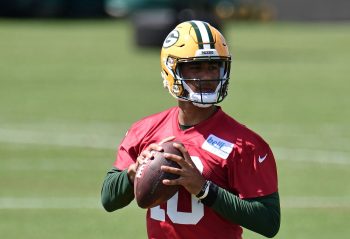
261	214
118	186
117	190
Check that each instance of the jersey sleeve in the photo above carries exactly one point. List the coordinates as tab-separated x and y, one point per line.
127	151
254	171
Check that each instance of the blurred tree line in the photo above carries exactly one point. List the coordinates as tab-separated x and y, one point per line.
152	19
223	9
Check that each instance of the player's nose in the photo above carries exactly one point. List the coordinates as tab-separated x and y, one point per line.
207	74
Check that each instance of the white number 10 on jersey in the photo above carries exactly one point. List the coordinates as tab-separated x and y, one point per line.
175	216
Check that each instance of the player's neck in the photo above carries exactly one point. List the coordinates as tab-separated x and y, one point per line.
190	115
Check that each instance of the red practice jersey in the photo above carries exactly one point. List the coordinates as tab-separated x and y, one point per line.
225	151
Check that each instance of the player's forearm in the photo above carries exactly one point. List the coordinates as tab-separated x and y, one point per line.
117	191
261	215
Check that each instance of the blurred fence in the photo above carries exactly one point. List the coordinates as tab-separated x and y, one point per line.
312	10
296	10
153	19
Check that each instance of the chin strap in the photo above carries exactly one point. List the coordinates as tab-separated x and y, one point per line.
203	100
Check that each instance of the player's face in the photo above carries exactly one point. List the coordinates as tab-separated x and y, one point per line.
205	73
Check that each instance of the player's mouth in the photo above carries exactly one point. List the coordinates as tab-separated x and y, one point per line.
203	86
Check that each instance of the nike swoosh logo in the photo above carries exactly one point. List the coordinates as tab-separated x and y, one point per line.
261	159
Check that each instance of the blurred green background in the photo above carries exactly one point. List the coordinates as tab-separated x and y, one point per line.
69	90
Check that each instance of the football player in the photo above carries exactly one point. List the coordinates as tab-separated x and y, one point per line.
228	172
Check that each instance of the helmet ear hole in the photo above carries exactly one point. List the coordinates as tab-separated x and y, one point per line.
177	89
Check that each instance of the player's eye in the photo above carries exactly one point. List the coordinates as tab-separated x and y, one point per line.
214	67
194	67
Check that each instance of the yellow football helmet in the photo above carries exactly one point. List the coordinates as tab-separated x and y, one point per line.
195	41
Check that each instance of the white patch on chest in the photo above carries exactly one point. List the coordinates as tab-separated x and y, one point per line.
217	146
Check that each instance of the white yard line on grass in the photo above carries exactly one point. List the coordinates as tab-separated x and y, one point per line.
66	139
312	155
69	139
94	203
48	203
315	202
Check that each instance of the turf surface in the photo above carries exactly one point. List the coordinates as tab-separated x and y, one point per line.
70	89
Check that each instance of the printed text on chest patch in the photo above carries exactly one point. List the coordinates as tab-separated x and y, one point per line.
217	146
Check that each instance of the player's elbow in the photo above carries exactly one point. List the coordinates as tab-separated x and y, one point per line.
269	231
107	204
112	202
274	226
107	198
108	207
273	232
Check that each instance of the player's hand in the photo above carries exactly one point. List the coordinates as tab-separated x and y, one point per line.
190	177
149	152
145	155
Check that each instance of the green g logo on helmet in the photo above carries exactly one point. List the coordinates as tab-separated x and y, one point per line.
171	39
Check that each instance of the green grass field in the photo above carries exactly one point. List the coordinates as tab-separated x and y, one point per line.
70	90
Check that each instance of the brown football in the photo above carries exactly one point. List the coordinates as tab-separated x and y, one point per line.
148	186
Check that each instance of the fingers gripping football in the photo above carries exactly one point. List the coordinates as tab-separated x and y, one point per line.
148	187
151	150
146	154
189	176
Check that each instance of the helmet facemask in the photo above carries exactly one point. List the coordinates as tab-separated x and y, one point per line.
201	92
